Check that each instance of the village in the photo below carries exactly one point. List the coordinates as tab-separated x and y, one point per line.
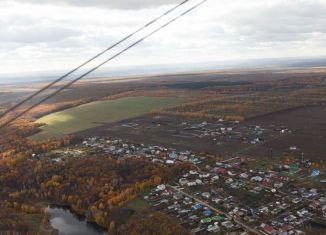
213	201
219	132
217	136
236	194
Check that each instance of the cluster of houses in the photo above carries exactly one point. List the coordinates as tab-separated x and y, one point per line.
192	214
290	212
223	131
207	199
318	205
292	208
122	149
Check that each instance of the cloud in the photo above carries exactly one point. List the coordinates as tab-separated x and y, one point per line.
37	34
60	34
113	4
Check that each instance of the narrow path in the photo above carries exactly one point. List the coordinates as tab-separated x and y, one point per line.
246	227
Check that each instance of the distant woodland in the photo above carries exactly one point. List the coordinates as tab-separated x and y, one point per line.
96	187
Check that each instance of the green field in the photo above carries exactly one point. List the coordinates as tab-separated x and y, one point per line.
98	113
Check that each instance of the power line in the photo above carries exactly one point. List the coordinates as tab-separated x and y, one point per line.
90	60
101	64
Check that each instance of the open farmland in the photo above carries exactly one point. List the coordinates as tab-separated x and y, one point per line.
98	113
308	136
304	128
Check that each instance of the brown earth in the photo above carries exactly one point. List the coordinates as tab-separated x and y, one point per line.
308	126
309	132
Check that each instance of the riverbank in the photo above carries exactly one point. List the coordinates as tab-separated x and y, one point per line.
66	221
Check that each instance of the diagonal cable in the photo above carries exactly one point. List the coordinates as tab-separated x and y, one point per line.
51	84
100	65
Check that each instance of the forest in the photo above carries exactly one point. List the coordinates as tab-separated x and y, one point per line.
96	187
99	187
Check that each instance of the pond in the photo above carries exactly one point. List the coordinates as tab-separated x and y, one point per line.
68	223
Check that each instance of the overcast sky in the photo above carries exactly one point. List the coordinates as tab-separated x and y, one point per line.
59	34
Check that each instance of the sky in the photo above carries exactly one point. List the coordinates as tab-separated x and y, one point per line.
60	34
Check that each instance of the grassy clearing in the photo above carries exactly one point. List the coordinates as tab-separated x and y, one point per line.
36	223
138	205
35	219
97	113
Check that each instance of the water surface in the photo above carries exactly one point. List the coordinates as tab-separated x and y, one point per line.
68	223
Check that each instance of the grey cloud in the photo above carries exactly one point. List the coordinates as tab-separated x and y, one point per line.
117	4
295	21
222	29
36	34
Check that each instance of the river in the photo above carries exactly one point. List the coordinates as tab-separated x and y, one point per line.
68	223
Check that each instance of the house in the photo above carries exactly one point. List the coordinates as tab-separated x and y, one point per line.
286	228
315	173
178	196
161	187
264	210
314	205
191	184
198	181
302	212
324	210
231	174
206	220
293	148
299	232
267	229
244	175
278	185
218	218
228	224
284	178
183	158
215	178
322	200
186	175
266	182
207	212
213	228
284	206
286	167
206	195
204	175
253	211
187	201
197	206
173	155
290	218
220	171
193	217
296	200
257	179
183	181
228	181
216	200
